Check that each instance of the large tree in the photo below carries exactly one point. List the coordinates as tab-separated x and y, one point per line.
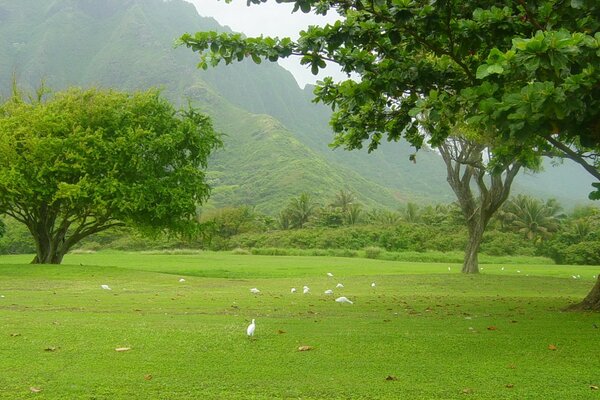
83	161
437	63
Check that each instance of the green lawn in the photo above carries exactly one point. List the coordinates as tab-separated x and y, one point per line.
440	334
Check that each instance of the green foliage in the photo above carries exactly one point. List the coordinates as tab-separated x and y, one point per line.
532	218
84	161
16	239
497	243
422	64
372	252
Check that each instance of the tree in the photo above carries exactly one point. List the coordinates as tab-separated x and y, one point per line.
349	209
299	210
411	213
545	89
437	60
84	161
534	219
464	164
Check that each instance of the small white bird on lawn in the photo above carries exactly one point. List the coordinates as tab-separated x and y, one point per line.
373	284
502	268
305	289
255	290
339	285
293	290
181	280
329	291
343	299
449	269
105	287
329	274
251	328
518	271
573	276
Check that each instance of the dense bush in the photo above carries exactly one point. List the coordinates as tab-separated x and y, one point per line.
496	243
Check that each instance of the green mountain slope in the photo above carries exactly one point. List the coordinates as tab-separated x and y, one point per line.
262	163
128	44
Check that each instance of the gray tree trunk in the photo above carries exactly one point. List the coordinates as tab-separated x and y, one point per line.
466	169
471	260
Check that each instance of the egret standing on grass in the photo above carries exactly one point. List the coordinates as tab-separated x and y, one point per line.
255	290
251	328
305	290
343	299
293	290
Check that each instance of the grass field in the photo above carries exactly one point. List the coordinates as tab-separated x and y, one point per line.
436	334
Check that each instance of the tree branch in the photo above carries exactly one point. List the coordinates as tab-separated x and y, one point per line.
573	155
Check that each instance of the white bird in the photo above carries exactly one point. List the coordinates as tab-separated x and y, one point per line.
251	328
305	289
105	287
502	268
329	291
573	276
518	271
373	284
449	269
329	274
255	290
293	290
339	285
182	280
343	299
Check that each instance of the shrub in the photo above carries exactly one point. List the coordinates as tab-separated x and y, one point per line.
372	252
240	251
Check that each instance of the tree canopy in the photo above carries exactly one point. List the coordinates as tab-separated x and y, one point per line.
84	161
529	69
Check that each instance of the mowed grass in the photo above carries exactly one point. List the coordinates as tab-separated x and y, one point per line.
436	333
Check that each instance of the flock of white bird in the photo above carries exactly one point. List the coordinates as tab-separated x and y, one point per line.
305	290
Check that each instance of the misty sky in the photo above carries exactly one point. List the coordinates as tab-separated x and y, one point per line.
269	19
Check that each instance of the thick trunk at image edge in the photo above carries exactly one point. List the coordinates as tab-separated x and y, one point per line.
592	300
471	261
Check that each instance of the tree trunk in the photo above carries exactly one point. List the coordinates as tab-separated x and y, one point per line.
48	253
471	261
591	301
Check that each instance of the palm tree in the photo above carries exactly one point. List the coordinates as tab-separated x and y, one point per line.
383	217
301	209
344	200
353	214
533	218
411	213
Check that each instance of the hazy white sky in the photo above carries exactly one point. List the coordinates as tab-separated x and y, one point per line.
269	19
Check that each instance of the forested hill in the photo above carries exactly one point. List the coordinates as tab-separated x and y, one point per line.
275	138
